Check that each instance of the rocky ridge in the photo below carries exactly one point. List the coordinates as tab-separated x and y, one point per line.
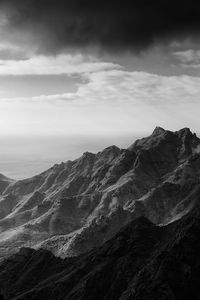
80	204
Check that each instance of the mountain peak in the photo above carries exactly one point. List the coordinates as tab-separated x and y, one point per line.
185	132
158	130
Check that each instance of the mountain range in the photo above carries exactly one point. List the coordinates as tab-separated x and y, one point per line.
119	224
80	204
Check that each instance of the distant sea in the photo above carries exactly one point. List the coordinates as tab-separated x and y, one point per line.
23	169
23	157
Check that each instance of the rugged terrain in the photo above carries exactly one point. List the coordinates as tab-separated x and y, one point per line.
142	262
80	204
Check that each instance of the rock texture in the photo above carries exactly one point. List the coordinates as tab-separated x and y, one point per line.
5	182
80	204
143	262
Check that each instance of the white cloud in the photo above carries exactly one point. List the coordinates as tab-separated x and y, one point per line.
61	64
119	86
189	58
111	102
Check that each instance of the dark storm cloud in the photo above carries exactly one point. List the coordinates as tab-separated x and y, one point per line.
112	25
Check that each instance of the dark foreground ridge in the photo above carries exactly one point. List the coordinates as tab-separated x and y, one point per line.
142	262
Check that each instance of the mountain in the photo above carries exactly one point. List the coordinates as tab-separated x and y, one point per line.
143	261
78	205
5	182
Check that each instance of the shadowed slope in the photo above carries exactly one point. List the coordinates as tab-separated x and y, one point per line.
143	261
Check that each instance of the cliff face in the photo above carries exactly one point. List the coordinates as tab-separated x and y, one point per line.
143	261
80	204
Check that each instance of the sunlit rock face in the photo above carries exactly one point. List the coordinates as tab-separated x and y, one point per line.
80	204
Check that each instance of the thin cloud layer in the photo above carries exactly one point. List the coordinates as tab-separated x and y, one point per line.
189	58
48	65
117	86
111	102
111	25
124	87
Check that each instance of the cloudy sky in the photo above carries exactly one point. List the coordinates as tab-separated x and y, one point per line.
101	70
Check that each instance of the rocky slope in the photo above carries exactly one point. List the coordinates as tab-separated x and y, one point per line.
80	204
5	182
143	261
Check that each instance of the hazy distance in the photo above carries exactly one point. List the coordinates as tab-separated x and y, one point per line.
23	157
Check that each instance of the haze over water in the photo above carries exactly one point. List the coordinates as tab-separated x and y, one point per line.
22	157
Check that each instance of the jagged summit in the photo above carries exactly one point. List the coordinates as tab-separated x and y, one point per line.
158	130
162	136
185	130
111	148
157	134
88	154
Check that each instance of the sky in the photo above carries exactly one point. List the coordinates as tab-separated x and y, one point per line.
81	75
